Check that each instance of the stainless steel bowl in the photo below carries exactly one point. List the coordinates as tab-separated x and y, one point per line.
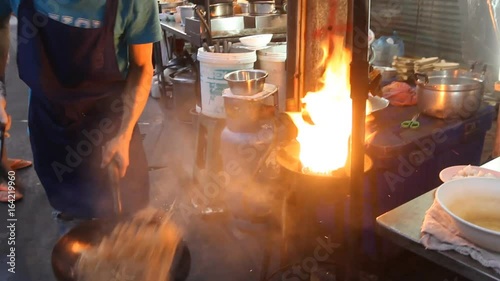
246	82
221	10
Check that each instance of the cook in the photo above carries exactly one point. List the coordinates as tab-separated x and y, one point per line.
88	65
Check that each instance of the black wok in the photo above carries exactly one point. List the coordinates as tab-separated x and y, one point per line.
69	247
90	233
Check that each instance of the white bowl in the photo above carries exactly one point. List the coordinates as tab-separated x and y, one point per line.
474	204
256	40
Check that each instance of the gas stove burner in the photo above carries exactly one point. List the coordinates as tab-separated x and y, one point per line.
288	158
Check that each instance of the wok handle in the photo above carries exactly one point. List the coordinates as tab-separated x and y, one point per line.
114	180
418	75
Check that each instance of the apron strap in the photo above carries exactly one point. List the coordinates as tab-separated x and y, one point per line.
110	16
27	4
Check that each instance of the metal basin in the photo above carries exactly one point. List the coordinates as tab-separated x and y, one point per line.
450	93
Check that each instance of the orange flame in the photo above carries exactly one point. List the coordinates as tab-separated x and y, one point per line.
324	146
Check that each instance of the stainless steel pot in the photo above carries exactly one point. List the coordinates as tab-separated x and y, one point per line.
262	8
450	93
221	10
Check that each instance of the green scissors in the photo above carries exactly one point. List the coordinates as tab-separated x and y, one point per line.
412	124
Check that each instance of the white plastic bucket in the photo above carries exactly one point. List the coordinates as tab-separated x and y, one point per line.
213	67
273	60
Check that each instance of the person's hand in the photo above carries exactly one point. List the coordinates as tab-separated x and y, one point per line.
117	149
4	117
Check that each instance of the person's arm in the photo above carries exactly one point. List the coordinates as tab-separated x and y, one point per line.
142	29
4	55
137	87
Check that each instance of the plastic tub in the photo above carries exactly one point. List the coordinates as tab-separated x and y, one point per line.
273	60
213	67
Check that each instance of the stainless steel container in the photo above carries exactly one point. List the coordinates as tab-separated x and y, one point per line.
450	93
246	82
262	8
221	10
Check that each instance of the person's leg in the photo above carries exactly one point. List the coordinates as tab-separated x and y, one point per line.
4	186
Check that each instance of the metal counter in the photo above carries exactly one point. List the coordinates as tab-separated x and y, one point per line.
402	226
175	29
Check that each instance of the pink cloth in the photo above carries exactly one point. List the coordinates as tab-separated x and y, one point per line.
400	94
440	233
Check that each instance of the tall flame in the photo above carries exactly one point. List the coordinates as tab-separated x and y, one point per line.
324	145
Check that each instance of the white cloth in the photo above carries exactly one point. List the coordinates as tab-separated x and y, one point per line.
440	233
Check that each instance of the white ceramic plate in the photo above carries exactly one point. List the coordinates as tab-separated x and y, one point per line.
448	173
256	41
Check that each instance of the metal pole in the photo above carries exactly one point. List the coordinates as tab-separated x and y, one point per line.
359	95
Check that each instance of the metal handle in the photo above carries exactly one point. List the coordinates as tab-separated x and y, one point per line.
485	67
114	181
417	80
473	66
204	23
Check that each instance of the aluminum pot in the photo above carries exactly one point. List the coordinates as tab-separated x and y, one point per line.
221	10
450	93
262	8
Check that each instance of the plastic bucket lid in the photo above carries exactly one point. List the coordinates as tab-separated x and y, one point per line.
237	56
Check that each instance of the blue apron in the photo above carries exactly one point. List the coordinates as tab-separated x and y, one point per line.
75	108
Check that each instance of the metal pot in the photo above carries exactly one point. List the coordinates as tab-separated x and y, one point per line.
221	10
450	93
262	8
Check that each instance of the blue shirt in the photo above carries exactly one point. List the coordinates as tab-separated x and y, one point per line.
137	21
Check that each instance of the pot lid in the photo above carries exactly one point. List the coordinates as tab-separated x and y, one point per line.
453	84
